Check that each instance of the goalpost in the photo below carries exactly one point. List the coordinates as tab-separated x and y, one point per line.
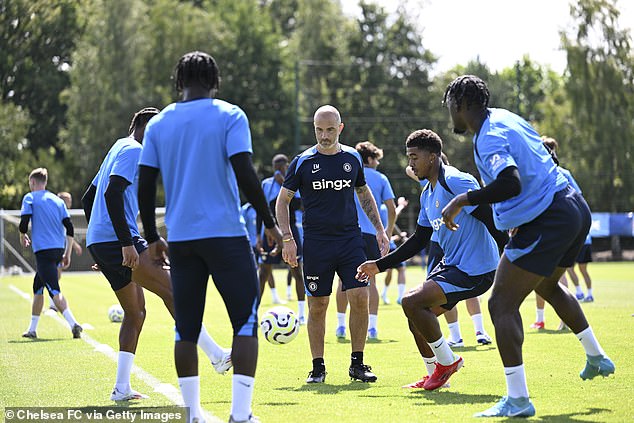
16	259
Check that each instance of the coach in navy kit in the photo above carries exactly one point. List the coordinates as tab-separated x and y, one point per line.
327	176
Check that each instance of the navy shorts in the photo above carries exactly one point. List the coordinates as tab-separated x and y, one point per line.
46	276
372	251
585	255
266	258
108	257
435	255
322	258
231	264
554	238
457	285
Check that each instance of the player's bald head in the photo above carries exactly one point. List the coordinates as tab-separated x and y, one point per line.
327	111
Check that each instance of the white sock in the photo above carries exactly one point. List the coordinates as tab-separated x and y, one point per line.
242	397
589	294
34	321
372	321
539	315
579	290
341	319
477	323
516	382
589	342
443	351
430	364
124	366
288	291
384	294
190	389
274	294
301	308
68	315
209	346
401	290
454	331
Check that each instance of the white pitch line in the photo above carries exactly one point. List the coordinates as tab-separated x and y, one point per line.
168	390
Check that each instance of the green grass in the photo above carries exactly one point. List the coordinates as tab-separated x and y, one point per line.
56	370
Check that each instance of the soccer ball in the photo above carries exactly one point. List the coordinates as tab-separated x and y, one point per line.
115	313
279	325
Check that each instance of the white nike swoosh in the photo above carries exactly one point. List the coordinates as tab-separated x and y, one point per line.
519	412
315	171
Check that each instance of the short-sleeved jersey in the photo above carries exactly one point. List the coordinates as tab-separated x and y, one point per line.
381	190
326	184
470	248
505	140
250	217
191	143
47	212
122	160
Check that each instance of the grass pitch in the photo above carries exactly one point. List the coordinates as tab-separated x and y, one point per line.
56	370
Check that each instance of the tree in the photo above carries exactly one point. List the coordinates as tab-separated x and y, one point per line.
601	89
37	38
16	158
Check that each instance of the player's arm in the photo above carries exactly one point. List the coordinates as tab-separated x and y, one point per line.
87	200
282	211
24	228
408	249
368	204
484	214
506	185
115	204
249	184
70	233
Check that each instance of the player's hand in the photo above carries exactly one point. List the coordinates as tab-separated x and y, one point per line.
366	270
273	236
158	252
451	210
65	261
289	253
25	240
77	249
384	242
95	267
130	257
402	202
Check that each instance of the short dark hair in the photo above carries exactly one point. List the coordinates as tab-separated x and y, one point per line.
425	139
469	88
279	159
40	175
367	150
197	68
142	117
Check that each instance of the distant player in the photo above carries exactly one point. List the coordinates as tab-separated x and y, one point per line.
384	196
548	221
114	242
202	148
395	240
327	176
467	268
52	233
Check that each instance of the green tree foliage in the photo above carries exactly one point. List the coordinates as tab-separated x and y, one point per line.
601	90
37	38
16	157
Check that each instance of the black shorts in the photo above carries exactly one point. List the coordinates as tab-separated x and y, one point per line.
372	251
457	285
108	257
435	255
554	238
266	258
46	276
322	258
585	255
231	264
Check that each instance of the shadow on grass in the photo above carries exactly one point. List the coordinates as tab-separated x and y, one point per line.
471	348
327	389
548	332
368	341
570	417
29	340
447	398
